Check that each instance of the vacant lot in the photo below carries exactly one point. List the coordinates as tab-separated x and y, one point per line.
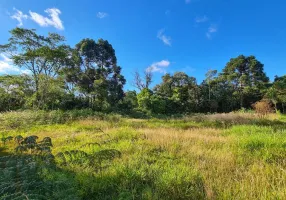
223	156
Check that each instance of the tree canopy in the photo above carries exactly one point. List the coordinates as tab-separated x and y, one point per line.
88	76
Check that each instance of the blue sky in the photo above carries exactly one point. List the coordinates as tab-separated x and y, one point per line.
166	36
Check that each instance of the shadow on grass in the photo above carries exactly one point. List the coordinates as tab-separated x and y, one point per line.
34	177
275	124
38	177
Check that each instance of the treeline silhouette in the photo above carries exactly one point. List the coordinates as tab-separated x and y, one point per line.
88	76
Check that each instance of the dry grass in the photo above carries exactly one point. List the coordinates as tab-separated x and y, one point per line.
167	137
236	118
242	161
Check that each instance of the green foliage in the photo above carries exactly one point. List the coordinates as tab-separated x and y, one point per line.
58	71
88	76
33	176
15	90
247	76
277	92
179	93
96	73
6	139
129	102
144	99
158	104
30	144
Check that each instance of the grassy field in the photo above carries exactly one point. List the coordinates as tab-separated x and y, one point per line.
221	156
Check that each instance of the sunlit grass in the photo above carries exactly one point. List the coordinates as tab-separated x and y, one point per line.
233	156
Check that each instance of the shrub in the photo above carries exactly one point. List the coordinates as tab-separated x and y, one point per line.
263	107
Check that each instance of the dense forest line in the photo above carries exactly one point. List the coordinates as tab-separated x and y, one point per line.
88	76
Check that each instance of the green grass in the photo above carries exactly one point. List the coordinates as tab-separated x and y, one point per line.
227	156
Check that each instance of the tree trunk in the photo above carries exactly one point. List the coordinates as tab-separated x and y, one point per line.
37	90
209	92
241	100
210	97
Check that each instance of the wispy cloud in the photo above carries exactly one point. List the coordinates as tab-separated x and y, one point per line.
102	15
167	12
166	39
7	67
159	66
202	19
19	16
212	29
53	20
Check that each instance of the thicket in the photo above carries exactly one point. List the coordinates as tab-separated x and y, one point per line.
87	76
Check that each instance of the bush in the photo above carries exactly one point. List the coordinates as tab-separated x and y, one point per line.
263	107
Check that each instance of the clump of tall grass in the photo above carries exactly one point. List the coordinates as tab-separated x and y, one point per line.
17	119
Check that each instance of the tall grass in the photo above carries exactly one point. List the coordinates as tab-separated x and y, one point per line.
222	156
20	119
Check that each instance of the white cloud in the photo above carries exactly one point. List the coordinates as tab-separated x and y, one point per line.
166	39
5	58
212	29
19	16
201	19
101	15
7	67
53	20
159	66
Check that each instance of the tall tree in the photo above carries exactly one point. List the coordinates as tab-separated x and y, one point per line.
41	55
180	92
209	80
247	76
277	92
96	73
209	77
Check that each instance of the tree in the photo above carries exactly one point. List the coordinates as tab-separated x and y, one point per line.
247	76
95	72
142	83
164	89
277	92
14	91
115	86
144	99
209	79
280	85
129	101
179	91
39	54
272	95
158	104
51	92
